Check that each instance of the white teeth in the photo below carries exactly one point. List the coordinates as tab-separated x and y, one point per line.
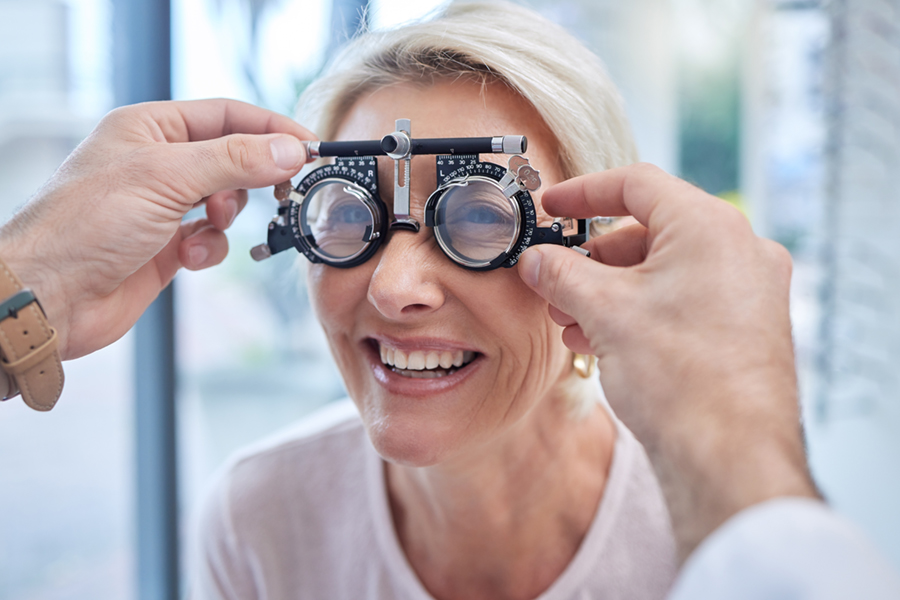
421	363
416	361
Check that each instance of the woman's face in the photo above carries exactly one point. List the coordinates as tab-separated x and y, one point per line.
410	306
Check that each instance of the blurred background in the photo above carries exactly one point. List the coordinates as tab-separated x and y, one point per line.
789	109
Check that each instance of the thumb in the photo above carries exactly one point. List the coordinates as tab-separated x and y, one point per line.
571	282
240	161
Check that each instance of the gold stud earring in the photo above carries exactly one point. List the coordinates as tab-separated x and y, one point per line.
584	364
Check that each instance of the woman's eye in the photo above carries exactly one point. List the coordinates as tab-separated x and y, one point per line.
349	214
480	215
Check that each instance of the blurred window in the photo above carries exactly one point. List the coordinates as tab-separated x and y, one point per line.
66	476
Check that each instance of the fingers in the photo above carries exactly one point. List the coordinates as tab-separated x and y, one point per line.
575	340
781	260
200	120
223	207
566	279
573	336
637	190
624	247
560	318
202	245
236	161
197	245
213	145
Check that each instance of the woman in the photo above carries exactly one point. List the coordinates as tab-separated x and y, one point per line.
503	476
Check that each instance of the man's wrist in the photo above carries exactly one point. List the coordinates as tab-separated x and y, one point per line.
738	454
7	389
705	484
33	268
29	345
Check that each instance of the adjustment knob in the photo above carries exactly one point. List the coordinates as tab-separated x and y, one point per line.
261	252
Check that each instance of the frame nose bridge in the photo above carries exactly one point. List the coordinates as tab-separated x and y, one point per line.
414	248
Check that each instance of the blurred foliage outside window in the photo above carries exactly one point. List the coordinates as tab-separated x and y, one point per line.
709	93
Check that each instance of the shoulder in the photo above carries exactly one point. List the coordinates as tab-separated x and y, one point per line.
317	451
293	484
269	518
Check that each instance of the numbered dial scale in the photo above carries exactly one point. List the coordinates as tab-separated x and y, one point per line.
334	215
473	223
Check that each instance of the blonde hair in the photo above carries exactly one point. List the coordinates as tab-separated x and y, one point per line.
488	42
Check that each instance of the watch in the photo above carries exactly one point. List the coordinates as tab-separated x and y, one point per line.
29	351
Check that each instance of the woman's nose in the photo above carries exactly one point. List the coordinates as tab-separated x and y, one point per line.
406	282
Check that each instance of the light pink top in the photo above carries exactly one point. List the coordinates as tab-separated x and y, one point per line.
306	515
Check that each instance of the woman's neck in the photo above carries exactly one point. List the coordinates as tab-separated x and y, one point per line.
506	520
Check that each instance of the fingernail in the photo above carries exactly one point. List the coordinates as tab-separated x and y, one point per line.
287	152
231	210
197	254
530	266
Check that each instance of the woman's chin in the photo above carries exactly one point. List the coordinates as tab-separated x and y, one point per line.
409	446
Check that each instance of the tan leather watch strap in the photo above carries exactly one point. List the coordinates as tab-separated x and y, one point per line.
28	344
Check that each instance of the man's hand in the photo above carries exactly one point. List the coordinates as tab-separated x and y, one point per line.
104	236
687	312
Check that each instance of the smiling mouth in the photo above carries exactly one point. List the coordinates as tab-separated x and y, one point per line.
425	364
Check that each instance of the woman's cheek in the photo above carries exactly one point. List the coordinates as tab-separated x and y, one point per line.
335	293
552	355
314	275
535	356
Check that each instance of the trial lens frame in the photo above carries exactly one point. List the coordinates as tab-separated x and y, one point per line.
400	147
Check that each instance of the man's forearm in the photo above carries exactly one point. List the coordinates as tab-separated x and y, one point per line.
708	482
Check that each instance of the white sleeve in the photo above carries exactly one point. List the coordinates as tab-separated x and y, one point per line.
786	549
